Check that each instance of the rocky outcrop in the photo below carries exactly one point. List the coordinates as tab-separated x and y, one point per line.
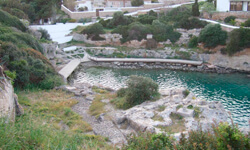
155	116
9	106
49	49
237	62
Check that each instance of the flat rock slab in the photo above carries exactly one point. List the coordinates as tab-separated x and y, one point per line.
186	112
90	98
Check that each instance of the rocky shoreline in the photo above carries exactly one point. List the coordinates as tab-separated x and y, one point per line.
206	68
175	112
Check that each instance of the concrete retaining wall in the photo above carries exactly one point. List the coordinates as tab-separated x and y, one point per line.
109	13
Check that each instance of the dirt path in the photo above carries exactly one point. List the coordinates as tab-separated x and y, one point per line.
103	127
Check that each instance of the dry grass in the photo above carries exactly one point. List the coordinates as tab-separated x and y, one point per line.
158	118
177	126
55	107
161	108
97	106
49	123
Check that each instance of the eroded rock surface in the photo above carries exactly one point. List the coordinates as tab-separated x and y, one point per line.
195	113
9	106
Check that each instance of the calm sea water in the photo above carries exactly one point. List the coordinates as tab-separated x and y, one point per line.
233	90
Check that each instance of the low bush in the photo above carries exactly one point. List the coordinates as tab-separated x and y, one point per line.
186	93
162	32
45	34
239	39
137	31
176	14
149	141
72	20
50	82
121	92
247	23
146	19
191	23
229	19
137	2
223	136
193	42
140	89
93	31
12	21
213	35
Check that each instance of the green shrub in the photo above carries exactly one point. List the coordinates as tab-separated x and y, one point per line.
247	23
22	40
104	23
191	23
213	35
121	92
197	112
149	141
190	107
176	14
195	9
208	7
11	75
137	31
239	39
146	19
50	82
118	19
140	89
193	42
72	20
65	20
230	137
229	19
186	92
137	2
162	32
45	34
93	31
123	30
197	139
11	21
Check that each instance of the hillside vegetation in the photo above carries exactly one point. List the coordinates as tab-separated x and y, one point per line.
21	54
48	124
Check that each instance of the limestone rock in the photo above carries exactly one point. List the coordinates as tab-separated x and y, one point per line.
9	106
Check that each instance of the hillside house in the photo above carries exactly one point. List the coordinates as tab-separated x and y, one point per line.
233	5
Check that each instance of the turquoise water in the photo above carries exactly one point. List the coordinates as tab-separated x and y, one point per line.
233	90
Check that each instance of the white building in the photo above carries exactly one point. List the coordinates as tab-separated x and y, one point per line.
84	4
233	5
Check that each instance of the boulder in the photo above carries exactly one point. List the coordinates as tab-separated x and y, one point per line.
185	112
9	106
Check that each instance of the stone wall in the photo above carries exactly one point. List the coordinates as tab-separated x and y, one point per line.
223	15
114	39
240	63
9	106
157	65
110	39
108	13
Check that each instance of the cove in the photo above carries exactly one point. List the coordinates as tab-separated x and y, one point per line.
233	90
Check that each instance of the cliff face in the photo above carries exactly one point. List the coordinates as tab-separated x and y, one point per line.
9	106
240	61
